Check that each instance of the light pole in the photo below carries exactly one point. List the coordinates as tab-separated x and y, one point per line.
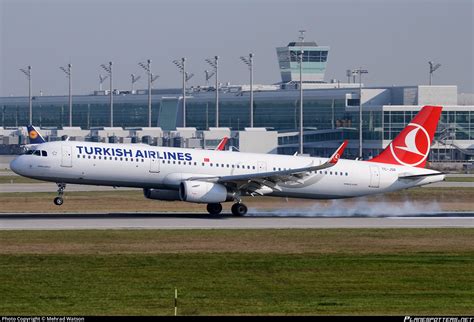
135	79
67	70
208	76
215	64
182	67
249	62
108	70
360	71
27	72
433	68
147	67
301	100
101	80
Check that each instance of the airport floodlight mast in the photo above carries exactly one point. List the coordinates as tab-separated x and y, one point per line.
102	79
67	70
135	79
147	67
249	62
300	60
433	68
108	70
215	64
208	76
359	71
182	67
27	72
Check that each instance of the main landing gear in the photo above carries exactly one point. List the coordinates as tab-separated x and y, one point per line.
58	201
238	209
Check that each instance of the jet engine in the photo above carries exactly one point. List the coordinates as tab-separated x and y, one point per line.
203	192
161	194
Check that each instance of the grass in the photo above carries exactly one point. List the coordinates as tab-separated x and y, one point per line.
460	179
340	271
17	179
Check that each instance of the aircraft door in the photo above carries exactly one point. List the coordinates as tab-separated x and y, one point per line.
262	166
66	157
374	177
154	165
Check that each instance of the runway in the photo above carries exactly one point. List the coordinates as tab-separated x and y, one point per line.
204	221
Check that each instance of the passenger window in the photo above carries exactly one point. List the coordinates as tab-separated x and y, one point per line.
203	164
195	163
94	156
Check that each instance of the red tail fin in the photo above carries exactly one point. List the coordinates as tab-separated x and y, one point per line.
222	144
412	145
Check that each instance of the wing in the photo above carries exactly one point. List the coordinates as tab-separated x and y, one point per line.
266	182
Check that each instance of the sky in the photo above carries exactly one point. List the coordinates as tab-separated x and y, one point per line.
392	39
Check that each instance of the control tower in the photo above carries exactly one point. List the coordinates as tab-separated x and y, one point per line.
314	61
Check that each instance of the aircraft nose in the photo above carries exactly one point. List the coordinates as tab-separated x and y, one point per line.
15	165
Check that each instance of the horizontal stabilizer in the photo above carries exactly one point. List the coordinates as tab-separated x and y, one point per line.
418	176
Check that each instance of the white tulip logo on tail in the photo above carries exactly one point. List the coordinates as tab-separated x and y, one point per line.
418	148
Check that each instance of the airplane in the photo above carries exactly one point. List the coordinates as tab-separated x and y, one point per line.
214	177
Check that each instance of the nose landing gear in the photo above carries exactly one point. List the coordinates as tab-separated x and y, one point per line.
58	201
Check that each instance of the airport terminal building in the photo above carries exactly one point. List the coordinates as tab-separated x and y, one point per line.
331	114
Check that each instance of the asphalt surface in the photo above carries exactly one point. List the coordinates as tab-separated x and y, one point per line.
204	221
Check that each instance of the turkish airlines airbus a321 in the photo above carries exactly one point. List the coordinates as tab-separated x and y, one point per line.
214	177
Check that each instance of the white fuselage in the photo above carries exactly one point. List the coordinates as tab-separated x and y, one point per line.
144	166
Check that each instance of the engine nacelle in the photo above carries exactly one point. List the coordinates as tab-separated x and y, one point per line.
203	192
161	194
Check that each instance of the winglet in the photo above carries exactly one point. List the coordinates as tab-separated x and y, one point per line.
34	135
335	157
222	144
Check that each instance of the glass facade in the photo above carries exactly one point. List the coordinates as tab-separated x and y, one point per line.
453	125
278	110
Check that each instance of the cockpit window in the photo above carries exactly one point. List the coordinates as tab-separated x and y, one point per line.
37	152
29	152
44	153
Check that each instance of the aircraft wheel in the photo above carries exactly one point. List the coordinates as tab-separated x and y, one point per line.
58	201
214	208
239	209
